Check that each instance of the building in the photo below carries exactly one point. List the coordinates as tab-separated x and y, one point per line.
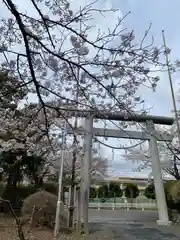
142	182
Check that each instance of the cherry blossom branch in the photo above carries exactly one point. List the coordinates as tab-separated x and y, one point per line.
44	21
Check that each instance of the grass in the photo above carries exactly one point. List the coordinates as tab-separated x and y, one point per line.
8	231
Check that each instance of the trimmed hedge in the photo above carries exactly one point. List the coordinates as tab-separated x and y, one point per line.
131	191
172	191
175	191
25	191
167	188
45	208
150	192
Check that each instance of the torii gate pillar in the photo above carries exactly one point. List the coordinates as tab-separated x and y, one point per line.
158	181
86	171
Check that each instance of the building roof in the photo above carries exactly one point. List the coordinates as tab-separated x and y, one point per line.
100	177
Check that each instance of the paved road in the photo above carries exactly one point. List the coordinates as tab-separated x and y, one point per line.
132	225
122	216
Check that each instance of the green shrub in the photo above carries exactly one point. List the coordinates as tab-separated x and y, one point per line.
51	187
167	188
26	190
115	190
93	192
103	191
131	191
91	200
150	192
175	191
172	191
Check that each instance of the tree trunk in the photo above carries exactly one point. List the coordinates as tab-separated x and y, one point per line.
176	170
10	179
36	182
131	193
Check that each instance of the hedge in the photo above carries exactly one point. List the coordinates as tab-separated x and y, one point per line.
167	188
17	195
51	187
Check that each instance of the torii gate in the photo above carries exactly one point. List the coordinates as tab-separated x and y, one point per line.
149	134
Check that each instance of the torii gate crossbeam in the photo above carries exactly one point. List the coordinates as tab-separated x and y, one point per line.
115	133
116	116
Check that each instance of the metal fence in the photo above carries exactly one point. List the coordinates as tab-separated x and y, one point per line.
127	206
122	200
122	203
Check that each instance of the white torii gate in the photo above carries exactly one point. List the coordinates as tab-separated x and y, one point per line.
151	135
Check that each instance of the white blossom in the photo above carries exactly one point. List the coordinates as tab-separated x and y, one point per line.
73	38
76	44
83	51
117	73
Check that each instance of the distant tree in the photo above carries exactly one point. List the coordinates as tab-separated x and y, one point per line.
115	190
103	191
131	191
35	168
12	166
93	192
17	164
150	191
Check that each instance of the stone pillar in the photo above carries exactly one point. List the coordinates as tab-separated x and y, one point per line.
158	181
87	167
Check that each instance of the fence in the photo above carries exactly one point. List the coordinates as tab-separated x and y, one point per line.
122	203
122	200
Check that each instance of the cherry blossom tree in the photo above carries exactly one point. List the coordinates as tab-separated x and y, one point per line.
98	163
168	153
22	132
43	49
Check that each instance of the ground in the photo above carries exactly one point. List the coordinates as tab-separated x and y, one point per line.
106	224
132	225
8	231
